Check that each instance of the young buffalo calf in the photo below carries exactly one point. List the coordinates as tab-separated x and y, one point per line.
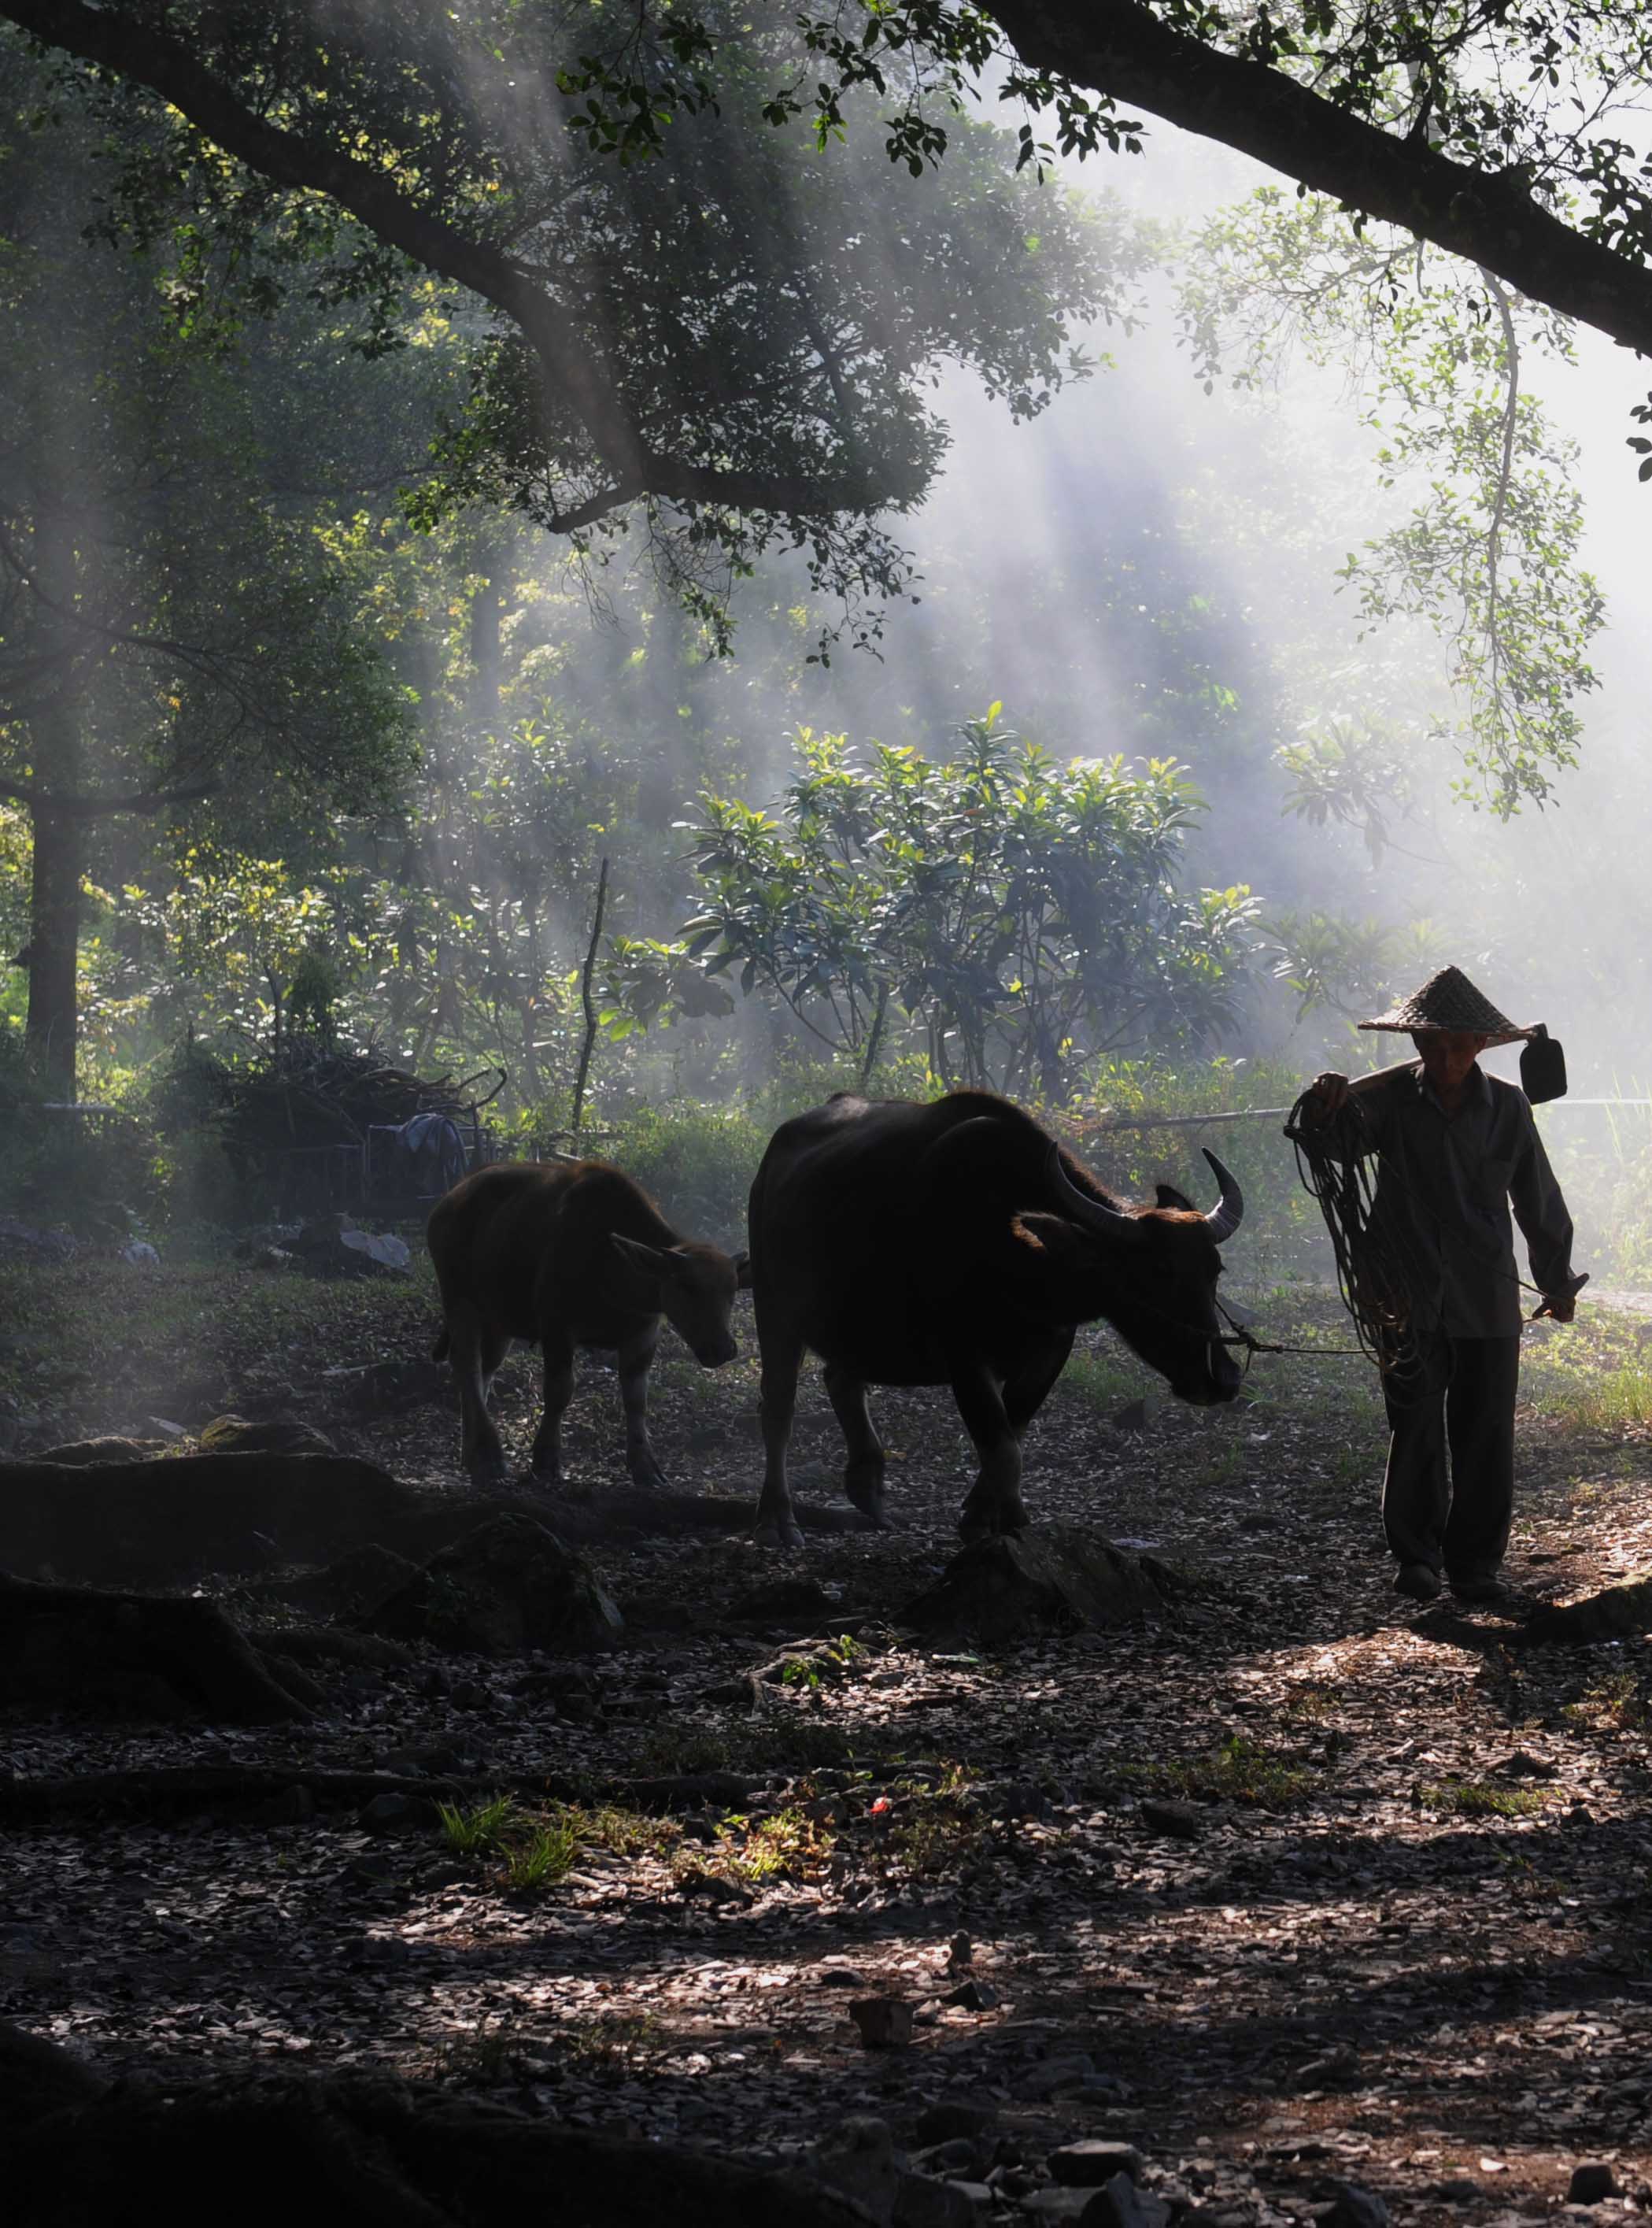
569	1255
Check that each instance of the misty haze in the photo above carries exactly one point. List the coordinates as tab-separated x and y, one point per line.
826	1139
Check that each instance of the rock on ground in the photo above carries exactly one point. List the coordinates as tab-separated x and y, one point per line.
333	1246
1059	1578
505	1587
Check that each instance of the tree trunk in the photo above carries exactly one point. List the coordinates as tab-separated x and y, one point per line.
58	760
54	944
589	1005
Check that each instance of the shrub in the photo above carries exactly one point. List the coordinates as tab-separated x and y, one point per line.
697	1162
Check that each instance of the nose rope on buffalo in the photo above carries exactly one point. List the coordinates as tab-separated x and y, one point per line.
1237	1334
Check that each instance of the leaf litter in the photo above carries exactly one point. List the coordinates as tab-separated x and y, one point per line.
1290	1888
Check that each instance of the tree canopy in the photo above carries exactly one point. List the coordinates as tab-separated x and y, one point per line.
170	632
1496	132
708	309
684	292
742	335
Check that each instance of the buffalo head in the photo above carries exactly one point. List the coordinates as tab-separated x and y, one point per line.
1151	1274
693	1286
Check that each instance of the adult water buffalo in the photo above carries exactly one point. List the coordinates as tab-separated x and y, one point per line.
955	1243
570	1254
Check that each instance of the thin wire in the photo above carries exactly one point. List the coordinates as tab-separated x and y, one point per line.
1286	1113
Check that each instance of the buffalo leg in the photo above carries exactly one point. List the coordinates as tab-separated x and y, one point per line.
633	1360
994	1505
782	1357
491	1352
558	1351
862	1476
480	1450
1025	1393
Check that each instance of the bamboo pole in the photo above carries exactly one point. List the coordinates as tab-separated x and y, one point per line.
590	1004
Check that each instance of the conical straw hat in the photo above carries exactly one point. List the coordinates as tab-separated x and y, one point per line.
1450	1001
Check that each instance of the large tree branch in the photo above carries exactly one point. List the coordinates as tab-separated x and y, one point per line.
137	51
1119	48
95	804
576	367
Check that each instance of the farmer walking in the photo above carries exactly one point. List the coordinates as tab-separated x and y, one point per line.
1454	1147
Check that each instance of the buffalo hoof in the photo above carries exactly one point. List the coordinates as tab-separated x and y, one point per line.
779	1533
492	1471
546	1481
869	1501
651	1480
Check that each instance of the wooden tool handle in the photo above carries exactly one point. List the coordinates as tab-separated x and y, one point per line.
1383	1074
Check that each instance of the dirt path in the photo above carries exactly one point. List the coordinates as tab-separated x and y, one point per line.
1392	1926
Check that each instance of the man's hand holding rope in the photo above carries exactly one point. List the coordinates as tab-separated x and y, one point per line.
1329	1094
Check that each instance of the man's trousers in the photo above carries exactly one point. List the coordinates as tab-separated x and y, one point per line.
1457	1397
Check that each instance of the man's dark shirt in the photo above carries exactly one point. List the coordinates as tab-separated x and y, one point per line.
1444	1187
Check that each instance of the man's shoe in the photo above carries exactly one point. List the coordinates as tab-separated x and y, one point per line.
1479	1586
1418	1581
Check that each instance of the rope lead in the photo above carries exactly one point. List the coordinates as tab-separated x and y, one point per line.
1377	1272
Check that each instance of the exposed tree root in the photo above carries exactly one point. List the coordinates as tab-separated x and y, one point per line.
316	1643
379	2153
168	1522
159	1523
70	1647
585	1519
185	1789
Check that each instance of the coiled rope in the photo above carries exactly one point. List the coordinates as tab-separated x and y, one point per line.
1378	1271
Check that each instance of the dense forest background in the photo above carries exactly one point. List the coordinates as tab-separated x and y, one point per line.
1225	668
592	576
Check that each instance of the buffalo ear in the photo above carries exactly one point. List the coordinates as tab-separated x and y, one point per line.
743	1272
1042	1240
647	1260
1169	1196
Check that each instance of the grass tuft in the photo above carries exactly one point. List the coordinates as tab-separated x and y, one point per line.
1610	1400
1618	1703
535	1849
481	1830
788	1845
1471	1798
1240	1771
546	1855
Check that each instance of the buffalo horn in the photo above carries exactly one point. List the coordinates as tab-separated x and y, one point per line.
1228	1211
1094	1214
